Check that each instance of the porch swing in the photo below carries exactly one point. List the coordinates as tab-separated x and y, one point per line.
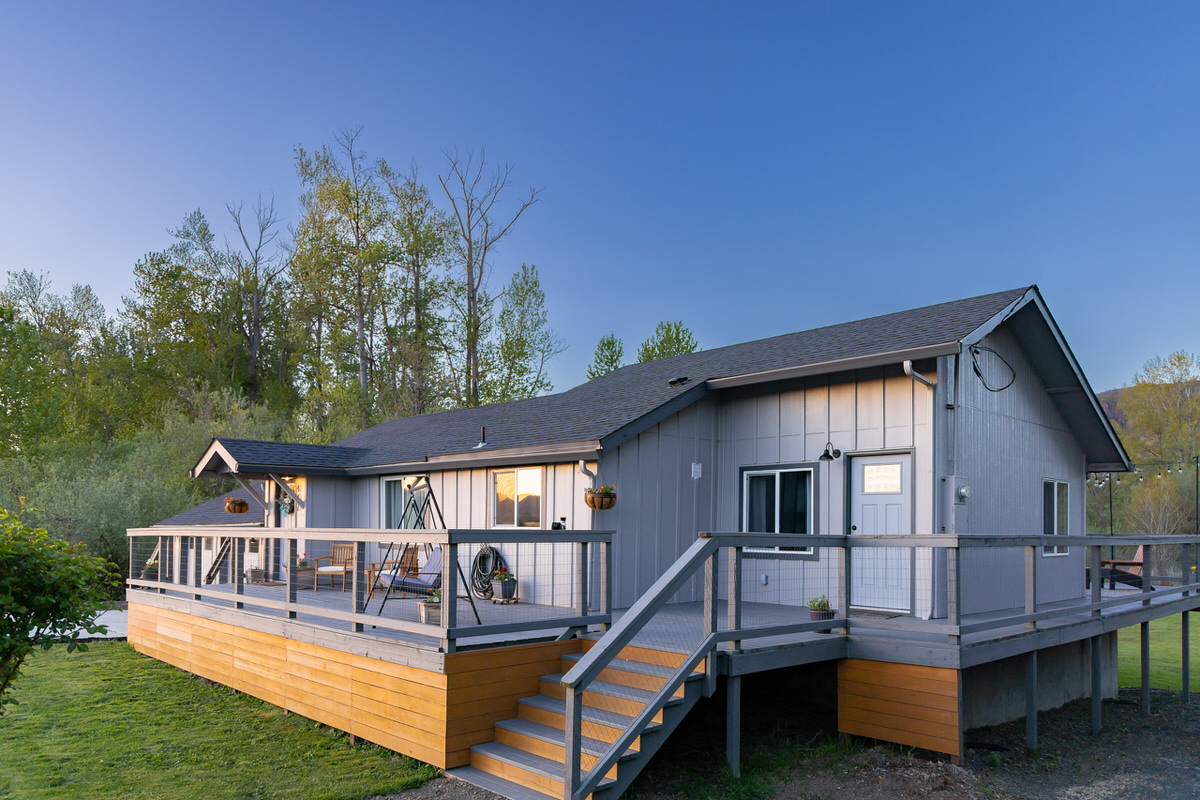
402	573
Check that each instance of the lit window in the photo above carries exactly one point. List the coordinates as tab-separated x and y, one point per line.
517	498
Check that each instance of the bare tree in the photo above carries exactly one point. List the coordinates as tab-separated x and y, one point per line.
252	275
473	191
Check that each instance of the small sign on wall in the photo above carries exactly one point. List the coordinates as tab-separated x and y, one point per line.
697	470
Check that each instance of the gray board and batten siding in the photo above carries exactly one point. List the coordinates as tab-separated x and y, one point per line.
1009	443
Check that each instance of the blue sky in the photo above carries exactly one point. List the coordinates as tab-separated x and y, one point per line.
750	171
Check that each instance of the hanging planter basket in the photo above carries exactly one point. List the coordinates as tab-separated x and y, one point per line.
599	501
236	505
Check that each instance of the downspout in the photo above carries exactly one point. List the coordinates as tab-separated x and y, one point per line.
916	376
584	470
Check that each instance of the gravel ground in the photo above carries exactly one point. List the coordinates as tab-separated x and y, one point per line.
1134	758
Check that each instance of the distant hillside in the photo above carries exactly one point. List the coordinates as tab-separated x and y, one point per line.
1110	401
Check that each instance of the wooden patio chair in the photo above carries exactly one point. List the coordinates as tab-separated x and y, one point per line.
1130	569
341	562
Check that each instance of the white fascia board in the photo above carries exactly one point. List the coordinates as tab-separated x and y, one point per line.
567	452
215	450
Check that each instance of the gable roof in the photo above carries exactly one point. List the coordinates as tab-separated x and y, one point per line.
603	412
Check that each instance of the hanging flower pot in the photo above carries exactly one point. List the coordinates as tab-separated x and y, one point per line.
601	498
236	505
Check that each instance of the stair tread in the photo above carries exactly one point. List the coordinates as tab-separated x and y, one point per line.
626	665
494	783
595	747
614	690
590	714
524	760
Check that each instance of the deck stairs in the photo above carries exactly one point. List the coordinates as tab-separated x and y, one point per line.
525	759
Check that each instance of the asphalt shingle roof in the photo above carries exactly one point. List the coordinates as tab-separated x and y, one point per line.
603	406
213	512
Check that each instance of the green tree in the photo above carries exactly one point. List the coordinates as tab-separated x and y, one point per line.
49	589
517	363
610	352
1162	409
669	339
28	400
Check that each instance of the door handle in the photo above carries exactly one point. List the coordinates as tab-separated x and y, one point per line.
853	527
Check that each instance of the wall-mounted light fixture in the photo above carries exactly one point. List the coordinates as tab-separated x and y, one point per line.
830	453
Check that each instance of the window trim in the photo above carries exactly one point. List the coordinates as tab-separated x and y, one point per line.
776	553
1056	550
516	500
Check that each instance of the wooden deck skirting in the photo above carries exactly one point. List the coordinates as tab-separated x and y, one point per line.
432	716
901	703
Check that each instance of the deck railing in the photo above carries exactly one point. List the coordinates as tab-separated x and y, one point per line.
822	566
563	578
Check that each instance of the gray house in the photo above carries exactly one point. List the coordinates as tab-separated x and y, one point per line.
964	431
965	417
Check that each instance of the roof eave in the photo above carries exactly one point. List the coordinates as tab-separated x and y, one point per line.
564	452
838	365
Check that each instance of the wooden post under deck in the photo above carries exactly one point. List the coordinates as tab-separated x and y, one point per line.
1031	702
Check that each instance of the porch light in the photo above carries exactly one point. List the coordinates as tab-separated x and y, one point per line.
830	453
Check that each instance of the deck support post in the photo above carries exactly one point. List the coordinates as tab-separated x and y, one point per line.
239	571
710	621
1097	679
1186	666
954	591
1031	702
581	579
197	556
292	553
1145	630
843	582
359	584
450	594
733	724
1031	584
606	582
1097	579
733	595
572	741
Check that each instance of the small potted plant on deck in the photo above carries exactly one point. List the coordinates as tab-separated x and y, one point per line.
506	583
819	609
150	570
306	574
600	498
429	610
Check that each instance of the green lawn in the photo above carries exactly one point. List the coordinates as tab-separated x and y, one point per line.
1166	647
110	723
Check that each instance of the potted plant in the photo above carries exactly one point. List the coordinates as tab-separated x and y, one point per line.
507	583
600	498
305	574
429	610
150	570
819	609
236	505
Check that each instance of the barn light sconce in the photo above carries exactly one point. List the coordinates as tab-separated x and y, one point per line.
830	453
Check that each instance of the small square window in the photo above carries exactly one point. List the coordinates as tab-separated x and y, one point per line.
517	498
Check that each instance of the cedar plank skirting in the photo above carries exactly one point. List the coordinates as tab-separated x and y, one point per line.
901	703
432	716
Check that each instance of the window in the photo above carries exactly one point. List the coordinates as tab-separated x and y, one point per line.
777	501
517	498
1055	514
397	511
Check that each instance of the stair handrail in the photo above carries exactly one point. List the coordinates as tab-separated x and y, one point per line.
607	648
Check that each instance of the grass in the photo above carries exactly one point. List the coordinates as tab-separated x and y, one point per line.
1166	651
110	723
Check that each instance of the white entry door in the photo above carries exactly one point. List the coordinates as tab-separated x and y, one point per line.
881	503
